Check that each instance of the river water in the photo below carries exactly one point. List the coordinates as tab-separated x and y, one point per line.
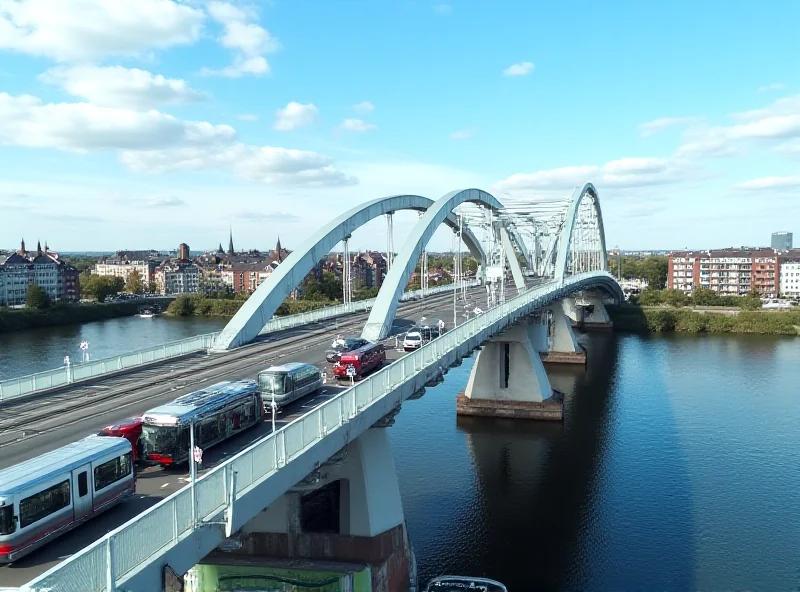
677	466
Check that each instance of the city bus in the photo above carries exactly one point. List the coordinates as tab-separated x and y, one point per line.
217	413
288	382
42	498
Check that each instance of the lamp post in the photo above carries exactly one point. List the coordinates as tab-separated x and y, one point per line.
274	407
192	472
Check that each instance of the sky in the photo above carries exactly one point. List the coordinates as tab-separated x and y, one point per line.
132	125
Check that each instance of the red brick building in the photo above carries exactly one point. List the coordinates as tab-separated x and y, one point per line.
726	271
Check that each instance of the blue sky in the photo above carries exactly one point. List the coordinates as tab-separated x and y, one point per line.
148	123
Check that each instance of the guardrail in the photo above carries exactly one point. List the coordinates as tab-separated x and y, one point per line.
27	385
125	551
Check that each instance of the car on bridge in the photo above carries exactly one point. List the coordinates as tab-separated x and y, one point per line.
341	346
360	362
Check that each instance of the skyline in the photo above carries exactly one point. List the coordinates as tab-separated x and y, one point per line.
195	116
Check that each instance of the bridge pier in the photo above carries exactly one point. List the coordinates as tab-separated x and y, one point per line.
508	378
563	345
347	513
588	312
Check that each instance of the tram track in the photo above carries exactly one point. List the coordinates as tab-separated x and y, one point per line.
28	413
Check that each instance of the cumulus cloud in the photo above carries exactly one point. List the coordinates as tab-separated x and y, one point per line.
364	107
295	115
521	69
154	142
71	30
657	125
357	125
769	184
115	86
248	40
622	173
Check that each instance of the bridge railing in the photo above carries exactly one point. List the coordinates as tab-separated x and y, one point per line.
126	549
23	386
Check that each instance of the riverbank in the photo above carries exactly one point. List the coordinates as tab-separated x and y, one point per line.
187	306
69	314
645	319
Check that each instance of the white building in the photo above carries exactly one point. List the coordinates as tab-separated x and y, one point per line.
122	269
790	277
56	277
177	277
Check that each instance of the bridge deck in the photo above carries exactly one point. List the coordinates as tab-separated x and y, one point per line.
57	419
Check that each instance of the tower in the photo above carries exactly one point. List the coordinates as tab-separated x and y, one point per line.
278	250
22	250
230	244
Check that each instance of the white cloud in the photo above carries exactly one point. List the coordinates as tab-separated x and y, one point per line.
521	69
154	142
364	107
769	184
115	86
357	125
773	86
70	30
247	39
248	117
463	134
295	115
622	173
657	125
165	202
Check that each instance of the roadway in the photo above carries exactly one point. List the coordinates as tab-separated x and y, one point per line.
30	428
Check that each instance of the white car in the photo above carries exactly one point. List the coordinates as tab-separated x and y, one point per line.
412	341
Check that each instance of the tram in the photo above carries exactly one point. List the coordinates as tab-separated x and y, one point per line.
288	382
42	498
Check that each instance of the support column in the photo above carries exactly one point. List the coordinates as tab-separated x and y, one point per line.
347	512
588	312
509	380
563	347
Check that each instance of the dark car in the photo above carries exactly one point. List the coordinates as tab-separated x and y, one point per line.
341	346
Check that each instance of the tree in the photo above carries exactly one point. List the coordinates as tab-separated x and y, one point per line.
752	301
182	306
675	298
100	286
37	298
133	283
152	288
705	297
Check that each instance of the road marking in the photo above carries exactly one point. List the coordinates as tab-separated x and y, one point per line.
165	485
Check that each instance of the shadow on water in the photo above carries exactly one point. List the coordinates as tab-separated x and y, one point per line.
597	502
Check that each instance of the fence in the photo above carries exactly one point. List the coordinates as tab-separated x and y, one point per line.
27	385
101	565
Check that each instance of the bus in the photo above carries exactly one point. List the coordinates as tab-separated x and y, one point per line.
218	412
288	382
42	498
129	428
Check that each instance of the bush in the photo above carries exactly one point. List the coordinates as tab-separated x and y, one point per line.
635	318
36	299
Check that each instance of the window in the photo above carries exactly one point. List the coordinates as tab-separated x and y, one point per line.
83	485
44	503
112	471
7	519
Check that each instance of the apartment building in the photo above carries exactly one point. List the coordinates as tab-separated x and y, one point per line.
790	275
123	268
728	272
177	277
55	276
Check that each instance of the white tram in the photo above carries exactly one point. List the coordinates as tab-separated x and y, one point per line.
42	498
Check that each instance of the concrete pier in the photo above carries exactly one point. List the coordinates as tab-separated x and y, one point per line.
588	312
563	346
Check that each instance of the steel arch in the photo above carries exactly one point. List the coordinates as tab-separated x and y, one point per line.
569	224
383	311
262	304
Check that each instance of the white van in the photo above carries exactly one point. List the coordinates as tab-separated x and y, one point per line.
412	341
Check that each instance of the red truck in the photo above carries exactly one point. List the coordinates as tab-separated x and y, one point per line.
362	361
130	429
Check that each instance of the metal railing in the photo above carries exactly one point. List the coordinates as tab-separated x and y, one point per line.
22	386
127	549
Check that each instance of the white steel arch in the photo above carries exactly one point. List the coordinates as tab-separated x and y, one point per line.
383	311
565	239
262	304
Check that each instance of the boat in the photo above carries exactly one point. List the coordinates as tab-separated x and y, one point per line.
462	583
147	313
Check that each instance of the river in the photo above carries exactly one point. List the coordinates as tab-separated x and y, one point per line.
677	466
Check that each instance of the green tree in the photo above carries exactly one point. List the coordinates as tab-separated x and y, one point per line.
675	298
651	297
36	298
705	297
182	306
100	286
133	283
752	301
329	287
152	288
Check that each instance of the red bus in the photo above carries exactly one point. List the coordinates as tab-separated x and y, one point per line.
362	361
129	428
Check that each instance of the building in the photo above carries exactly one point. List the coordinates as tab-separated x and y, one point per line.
781	241
726	271
183	252
55	276
790	274
177	277
123	268
244	278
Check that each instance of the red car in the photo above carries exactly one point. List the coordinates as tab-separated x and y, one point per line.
130	429
363	361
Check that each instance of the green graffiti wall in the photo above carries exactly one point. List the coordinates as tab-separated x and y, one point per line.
245	578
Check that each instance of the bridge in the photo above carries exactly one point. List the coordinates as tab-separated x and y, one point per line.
252	498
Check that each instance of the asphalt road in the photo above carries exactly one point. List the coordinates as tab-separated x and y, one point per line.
37	426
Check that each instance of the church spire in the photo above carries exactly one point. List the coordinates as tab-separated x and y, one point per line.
38	247
22	250
278	250
230	244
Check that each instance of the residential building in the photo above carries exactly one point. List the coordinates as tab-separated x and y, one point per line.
123	268
55	276
790	274
177	277
244	278
725	271
781	241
